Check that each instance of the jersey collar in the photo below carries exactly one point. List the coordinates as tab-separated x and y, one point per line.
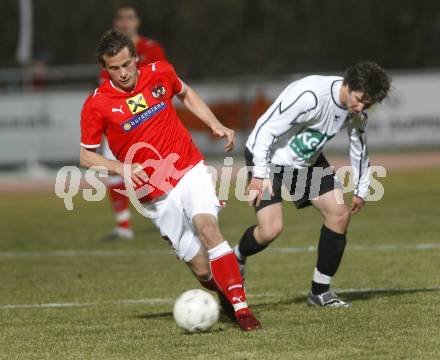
335	90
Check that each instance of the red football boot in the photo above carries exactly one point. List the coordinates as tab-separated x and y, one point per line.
247	321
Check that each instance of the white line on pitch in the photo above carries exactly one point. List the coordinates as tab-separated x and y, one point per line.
340	291
380	290
155	301
71	305
388	247
305	249
152	301
73	253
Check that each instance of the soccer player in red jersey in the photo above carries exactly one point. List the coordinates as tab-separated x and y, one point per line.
134	110
127	20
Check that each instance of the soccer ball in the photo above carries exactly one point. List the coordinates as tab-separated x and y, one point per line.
195	310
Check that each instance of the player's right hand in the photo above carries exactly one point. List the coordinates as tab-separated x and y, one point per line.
256	188
224	132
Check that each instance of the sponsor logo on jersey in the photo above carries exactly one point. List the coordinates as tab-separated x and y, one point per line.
141	118
158	91
307	143
137	104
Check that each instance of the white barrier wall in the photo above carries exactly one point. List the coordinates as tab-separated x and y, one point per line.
39	126
44	126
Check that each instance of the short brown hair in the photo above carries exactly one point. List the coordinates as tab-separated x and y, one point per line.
127	6
370	78
111	43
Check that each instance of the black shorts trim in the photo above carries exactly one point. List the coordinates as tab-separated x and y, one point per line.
304	184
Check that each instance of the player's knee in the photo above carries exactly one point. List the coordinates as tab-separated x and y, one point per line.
340	217
270	232
210	233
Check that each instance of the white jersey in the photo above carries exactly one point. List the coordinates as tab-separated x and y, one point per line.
295	128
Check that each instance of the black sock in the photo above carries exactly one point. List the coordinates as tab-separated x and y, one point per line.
248	245
330	250
318	289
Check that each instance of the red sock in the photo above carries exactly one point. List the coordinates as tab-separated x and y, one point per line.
226	274
119	204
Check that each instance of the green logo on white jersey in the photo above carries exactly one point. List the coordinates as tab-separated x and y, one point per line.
306	143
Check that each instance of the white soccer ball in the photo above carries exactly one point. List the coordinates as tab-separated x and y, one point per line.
195	310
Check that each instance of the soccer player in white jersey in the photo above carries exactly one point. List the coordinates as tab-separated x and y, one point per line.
285	147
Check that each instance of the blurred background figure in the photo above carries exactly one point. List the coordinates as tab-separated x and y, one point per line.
127	20
35	78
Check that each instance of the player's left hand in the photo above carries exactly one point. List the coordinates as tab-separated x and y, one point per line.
224	132
357	204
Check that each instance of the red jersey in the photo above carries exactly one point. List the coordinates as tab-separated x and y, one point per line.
146	115
147	50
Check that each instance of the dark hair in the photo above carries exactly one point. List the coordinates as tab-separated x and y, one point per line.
370	78
111	43
126	6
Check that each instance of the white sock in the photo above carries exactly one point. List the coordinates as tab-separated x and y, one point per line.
219	250
321	278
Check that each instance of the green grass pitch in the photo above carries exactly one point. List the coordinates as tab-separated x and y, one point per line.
121	293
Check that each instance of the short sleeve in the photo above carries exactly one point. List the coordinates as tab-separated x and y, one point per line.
92	125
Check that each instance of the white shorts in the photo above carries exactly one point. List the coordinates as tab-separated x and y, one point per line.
173	213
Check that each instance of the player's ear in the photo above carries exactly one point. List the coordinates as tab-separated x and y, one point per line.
136	59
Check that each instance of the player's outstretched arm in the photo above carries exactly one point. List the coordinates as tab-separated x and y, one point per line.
89	158
198	107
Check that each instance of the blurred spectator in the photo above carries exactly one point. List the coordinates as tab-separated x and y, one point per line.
127	20
39	70
35	75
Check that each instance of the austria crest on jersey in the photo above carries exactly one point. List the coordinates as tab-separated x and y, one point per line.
158	91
